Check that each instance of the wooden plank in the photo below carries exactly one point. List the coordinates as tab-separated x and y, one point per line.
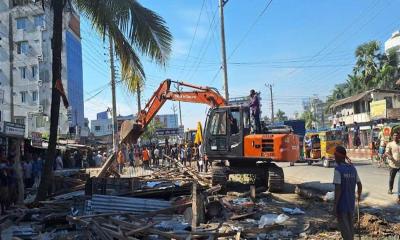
194	207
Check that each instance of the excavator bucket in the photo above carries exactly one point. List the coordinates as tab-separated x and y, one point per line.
130	132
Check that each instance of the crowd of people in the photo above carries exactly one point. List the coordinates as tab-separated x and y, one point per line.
32	168
156	155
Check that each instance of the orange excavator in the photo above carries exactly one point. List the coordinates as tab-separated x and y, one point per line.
228	143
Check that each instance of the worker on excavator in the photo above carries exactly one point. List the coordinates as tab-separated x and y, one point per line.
255	112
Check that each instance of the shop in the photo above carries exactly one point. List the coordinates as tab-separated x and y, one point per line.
11	138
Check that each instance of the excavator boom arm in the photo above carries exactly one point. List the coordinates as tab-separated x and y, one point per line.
131	131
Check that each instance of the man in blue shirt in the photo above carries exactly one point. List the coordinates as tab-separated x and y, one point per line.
345	179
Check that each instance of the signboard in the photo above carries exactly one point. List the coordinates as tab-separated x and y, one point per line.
36	139
167	131
14	129
378	109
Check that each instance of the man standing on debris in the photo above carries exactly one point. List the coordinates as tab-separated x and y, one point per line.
393	156
156	156
255	112
345	179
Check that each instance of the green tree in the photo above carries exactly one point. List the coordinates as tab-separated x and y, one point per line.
308	118
354	85
150	131
280	116
367	63
132	28
389	70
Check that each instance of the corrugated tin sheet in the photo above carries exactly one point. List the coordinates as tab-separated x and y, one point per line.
107	203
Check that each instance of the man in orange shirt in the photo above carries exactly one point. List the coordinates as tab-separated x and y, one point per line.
146	157
120	161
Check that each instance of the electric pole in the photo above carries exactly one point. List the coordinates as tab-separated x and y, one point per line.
272	101
174	111
114	102
223	48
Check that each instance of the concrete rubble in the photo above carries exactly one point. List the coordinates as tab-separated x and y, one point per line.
178	203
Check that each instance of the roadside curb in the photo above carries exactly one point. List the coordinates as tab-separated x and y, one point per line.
323	187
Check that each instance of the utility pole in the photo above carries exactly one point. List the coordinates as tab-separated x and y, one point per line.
174	110
223	48
114	102
272	101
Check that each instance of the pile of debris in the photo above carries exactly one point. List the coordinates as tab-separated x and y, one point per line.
176	203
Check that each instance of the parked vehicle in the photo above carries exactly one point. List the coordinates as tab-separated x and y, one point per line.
322	147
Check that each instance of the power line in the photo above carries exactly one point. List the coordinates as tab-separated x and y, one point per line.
194	36
250	28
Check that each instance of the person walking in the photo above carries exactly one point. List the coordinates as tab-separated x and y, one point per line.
393	157
345	179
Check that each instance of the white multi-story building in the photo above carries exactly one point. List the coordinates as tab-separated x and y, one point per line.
26	67
393	43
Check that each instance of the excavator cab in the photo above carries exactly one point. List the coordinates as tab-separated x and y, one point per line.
225	129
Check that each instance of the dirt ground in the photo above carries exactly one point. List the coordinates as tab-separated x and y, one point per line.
317	222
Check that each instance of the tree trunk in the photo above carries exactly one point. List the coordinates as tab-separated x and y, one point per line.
16	146
47	175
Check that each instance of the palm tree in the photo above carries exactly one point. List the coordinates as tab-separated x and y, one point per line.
132	28
354	85
367	55
280	116
389	71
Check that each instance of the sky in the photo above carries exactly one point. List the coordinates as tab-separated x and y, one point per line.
302	48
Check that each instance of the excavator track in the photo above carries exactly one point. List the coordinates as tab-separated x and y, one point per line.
219	176
275	178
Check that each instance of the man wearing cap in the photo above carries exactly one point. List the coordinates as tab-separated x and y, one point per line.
345	179
255	112
393	156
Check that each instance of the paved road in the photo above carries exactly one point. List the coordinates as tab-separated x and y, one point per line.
374	179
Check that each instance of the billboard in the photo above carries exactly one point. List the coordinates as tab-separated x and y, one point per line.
378	109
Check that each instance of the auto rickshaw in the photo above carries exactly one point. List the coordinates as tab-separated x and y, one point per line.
322	146
312	147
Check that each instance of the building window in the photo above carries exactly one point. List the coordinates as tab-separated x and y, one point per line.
22	47
23	96
34	96
39	20
23	72
21	23
20	120
34	71
0	116
97	128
